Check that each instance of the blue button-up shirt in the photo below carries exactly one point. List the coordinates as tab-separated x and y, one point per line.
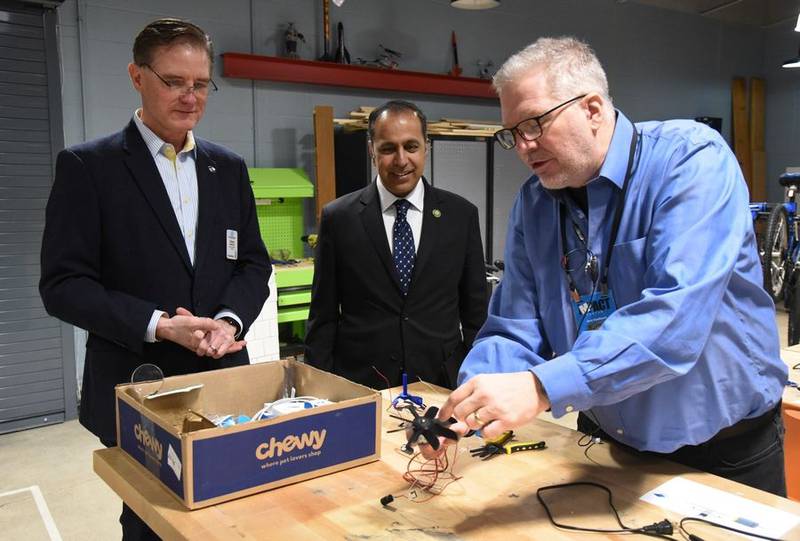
692	347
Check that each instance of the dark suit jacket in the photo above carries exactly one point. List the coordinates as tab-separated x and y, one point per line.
112	252
358	316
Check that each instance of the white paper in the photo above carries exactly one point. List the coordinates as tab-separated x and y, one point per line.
690	499
159	394
174	462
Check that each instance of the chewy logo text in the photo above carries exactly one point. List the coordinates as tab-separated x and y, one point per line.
314	439
148	440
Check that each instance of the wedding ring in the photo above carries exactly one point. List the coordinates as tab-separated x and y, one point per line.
477	418
212	348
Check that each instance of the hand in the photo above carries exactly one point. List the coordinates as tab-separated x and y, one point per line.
184	329
502	402
218	341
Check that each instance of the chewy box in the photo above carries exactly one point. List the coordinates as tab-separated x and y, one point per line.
202	464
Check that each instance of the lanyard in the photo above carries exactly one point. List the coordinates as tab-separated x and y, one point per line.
591	260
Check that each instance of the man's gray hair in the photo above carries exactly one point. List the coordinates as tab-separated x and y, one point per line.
570	65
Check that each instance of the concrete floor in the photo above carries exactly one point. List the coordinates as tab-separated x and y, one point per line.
48	491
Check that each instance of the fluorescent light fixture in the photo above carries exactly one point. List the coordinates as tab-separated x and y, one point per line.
474	4
793	62
797	27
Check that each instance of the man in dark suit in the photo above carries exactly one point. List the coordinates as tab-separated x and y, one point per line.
151	240
399	275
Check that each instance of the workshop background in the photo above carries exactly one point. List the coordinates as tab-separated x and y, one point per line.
661	63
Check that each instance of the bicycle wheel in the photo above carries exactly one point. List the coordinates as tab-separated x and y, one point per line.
776	245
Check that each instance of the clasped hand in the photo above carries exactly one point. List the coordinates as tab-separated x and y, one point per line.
203	335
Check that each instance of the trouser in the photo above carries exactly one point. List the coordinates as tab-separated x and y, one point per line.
749	452
133	527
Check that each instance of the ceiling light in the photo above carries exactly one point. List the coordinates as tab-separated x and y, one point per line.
797	27
475	4
793	62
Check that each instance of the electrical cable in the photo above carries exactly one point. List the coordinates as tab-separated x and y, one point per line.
693	537
661	529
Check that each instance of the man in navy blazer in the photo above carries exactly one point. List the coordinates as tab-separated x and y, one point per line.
392	295
151	241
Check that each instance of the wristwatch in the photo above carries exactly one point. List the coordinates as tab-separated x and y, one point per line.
233	322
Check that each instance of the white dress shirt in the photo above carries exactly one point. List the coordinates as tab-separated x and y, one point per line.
414	216
178	172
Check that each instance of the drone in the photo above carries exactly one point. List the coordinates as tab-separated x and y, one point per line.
427	426
386	60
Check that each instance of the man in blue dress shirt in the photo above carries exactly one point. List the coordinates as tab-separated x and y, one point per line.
632	287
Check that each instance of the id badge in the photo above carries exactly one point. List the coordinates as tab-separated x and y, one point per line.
591	311
231	244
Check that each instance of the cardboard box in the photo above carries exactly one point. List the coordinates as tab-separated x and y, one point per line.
201	464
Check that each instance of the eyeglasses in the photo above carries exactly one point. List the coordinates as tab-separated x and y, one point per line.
179	86
529	129
580	259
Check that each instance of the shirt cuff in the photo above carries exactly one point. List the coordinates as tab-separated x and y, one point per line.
228	313
150	335
564	384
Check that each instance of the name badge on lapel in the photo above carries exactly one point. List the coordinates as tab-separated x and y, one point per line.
232	244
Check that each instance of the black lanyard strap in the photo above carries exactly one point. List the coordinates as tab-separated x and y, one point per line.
612	240
614	225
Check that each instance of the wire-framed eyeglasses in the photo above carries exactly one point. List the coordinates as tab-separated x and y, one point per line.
580	260
179	86
529	129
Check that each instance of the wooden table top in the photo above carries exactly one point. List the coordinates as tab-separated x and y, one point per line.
492	500
791	395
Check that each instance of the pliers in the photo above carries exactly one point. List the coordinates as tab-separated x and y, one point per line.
492	447
502	446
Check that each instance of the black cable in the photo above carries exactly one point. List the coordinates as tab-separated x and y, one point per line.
693	537
661	529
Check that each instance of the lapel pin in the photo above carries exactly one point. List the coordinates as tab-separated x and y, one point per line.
212	169
437	213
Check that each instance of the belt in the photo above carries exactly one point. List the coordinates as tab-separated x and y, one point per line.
747	425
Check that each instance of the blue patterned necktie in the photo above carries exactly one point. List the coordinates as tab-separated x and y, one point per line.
403	245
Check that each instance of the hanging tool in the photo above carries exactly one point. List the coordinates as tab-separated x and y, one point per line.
456	70
326	31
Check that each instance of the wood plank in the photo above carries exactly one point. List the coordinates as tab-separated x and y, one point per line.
325	162
741	129
758	190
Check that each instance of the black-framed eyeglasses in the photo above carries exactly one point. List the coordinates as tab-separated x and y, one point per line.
529	129
179	86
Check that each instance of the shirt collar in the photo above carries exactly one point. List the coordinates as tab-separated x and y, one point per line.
154	143
616	163
416	197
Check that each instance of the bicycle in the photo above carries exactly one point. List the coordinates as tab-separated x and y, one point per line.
781	243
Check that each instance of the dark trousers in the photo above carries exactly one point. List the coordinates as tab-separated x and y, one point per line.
133	527
750	452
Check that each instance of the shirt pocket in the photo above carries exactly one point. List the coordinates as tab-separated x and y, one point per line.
627	270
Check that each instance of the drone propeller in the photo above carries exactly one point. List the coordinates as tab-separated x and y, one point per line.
429	427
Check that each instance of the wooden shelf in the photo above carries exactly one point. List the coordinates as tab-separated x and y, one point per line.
270	68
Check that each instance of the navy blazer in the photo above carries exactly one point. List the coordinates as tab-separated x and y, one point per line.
358	316
112	253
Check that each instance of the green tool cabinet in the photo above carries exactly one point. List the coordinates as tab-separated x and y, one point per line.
279	194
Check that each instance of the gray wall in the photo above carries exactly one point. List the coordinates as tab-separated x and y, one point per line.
661	64
783	105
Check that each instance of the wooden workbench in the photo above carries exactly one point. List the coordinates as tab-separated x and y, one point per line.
791	395
493	500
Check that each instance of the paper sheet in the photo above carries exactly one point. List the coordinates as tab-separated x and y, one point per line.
691	499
